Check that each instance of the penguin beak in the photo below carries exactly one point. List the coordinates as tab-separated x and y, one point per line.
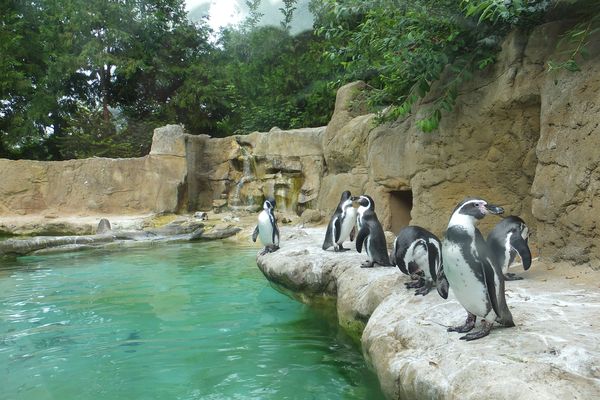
520	246
492	209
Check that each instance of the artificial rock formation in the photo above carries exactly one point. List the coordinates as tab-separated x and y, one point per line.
552	353
96	185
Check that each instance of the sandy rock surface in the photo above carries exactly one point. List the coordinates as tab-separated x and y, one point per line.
552	353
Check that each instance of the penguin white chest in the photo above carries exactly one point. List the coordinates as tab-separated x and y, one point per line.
265	228
417	253
468	289
507	249
348	222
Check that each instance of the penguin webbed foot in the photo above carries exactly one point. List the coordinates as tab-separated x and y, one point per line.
270	248
425	289
416	283
466	327
486	327
509	276
339	249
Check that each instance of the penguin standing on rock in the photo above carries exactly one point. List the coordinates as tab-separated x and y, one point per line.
507	240
370	234
267	228
342	224
475	280
418	253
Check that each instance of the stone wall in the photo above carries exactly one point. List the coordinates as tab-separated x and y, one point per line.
97	186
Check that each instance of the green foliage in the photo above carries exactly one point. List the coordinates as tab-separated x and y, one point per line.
85	78
576	42
71	54
288	13
402	48
274	79
254	16
89	134
514	12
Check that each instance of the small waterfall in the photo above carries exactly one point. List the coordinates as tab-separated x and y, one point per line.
285	190
236	198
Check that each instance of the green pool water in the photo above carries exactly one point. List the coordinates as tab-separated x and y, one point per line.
189	321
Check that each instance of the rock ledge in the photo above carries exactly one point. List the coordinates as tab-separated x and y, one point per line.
552	353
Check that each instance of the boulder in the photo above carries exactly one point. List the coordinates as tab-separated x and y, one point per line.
344	142
169	140
552	353
103	227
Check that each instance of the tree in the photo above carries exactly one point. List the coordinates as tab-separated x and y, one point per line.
288	14
64	59
275	79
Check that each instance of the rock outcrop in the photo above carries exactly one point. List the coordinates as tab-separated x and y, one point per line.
552	353
178	229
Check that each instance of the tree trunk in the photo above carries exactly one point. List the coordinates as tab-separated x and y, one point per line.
105	92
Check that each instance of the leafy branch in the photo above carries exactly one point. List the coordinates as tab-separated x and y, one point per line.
578	39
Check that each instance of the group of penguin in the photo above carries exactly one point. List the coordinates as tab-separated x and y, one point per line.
475	268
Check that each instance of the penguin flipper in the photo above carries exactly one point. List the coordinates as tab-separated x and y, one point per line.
522	248
328	242
434	256
353	233
255	234
275	235
494	281
337	229
360	238
442	285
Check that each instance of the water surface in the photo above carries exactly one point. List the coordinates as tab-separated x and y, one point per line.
186	321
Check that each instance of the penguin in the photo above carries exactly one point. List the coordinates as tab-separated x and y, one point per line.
507	239
267	229
476	281
342	224
418	253
370	234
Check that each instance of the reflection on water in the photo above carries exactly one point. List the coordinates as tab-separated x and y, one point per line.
192	321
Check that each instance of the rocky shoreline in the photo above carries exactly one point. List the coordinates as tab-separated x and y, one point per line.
39	235
552	353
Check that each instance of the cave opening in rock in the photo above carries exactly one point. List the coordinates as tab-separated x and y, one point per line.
401	203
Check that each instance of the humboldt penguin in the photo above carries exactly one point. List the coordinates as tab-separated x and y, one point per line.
507	240
475	280
418	253
267	229
342	224
370	234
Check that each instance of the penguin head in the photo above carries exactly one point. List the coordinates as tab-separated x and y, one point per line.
512	231
366	202
345	196
269	204
473	209
512	225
